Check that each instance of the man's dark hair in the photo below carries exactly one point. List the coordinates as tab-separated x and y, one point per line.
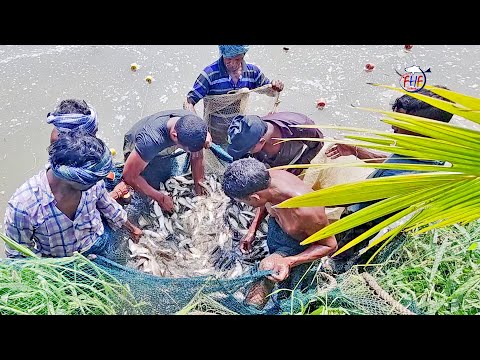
244	177
191	132
76	149
417	107
72	106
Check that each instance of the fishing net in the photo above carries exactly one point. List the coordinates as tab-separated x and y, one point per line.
213	278
219	110
356	291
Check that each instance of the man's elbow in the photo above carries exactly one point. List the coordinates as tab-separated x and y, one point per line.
129	178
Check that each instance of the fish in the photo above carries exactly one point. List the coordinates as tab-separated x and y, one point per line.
243	220
152	234
184	242
184	202
233	223
247	213
157	209
200	237
168	225
413	69
142	222
183	180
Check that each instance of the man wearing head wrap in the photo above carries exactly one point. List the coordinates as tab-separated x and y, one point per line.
229	72
258	136
76	115
59	211
72	115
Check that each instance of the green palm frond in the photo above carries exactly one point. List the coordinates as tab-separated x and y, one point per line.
437	197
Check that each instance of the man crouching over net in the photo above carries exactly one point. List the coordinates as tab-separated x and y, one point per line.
249	181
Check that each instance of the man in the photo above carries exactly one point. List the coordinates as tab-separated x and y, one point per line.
252	134
148	150
249	181
404	104
77	115
229	72
72	115
58	212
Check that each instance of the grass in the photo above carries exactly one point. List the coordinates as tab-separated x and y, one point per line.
438	271
62	286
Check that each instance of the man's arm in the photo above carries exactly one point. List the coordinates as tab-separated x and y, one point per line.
313	219
115	215
198	171
18	227
200	89
262	80
338	150
246	242
134	231
131	175
189	105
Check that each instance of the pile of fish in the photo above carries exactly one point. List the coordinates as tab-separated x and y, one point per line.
201	237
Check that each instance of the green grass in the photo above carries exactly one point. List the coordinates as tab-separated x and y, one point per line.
438	271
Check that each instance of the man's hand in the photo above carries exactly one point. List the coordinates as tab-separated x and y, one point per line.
199	189
208	141
187	105
120	190
338	150
279	266
246	243
277	85
165	201
136	233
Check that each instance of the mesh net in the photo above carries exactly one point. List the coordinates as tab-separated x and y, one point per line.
219	110
161	275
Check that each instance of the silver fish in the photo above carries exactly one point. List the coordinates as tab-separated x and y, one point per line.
233	222
183	180
157	209
184	202
151	233
248	213
243	220
168	225
142	222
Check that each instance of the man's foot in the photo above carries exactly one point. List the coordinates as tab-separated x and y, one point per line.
257	295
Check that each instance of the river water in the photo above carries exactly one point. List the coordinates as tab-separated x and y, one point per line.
34	78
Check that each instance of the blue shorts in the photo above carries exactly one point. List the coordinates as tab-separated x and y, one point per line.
279	242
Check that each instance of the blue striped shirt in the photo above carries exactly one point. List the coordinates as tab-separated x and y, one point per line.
214	80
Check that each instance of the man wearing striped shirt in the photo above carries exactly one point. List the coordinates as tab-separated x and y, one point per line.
229	72
59	211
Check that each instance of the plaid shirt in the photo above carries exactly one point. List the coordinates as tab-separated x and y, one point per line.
33	220
214	80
